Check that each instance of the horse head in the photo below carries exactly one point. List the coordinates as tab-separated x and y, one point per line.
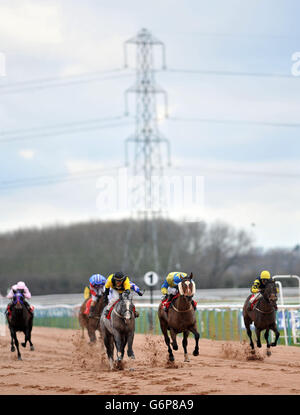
187	287
270	293
18	300
125	308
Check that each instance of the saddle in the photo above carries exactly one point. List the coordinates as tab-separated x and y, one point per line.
166	304
88	306
108	316
253	304
9	309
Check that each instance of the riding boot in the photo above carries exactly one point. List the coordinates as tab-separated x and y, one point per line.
169	299
136	314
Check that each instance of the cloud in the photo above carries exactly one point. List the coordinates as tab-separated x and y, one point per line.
27	154
31	22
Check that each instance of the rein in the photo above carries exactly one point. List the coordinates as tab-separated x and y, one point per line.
265	312
181	311
119	315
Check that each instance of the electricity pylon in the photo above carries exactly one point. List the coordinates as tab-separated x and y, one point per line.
147	164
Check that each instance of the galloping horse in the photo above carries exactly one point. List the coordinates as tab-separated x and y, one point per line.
91	324
263	315
180	318
119	330
20	319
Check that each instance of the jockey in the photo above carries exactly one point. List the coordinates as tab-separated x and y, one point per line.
97	283
258	287
169	287
116	285
21	287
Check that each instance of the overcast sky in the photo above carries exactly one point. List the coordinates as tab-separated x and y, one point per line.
251	171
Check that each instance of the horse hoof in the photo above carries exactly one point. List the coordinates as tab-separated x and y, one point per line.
13	349
186	359
171	358
259	346
252	351
132	356
268	353
32	348
273	344
23	344
175	346
195	353
19	358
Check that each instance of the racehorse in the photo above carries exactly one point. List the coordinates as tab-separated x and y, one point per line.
180	318
19	319
119	330
92	323
263	315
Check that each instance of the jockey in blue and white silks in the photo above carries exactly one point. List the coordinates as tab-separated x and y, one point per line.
97	284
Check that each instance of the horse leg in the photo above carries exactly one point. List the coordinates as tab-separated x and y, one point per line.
184	345
91	331
119	342
12	348
26	338
17	344
130	343
267	340
247	322
277	334
197	337
164	329
174	342
258	342
109	345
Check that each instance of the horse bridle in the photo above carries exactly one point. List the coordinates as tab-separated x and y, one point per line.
266	312
119	315
189	297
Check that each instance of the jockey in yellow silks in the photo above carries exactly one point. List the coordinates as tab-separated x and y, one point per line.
169	287
117	284
258	286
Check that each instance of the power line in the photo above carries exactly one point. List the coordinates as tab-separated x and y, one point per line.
231	73
242	122
66	124
52	179
59	78
78	128
11	89
248	36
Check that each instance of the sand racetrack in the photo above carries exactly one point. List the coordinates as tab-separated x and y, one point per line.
63	363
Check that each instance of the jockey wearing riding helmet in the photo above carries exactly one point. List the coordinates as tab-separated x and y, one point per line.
21	287
116	285
169	286
97	283
259	285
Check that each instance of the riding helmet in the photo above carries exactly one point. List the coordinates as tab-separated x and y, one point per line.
265	275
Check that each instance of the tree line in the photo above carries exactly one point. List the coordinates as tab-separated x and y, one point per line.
60	259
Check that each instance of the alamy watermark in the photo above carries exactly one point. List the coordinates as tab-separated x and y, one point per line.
295	70
125	192
2	64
